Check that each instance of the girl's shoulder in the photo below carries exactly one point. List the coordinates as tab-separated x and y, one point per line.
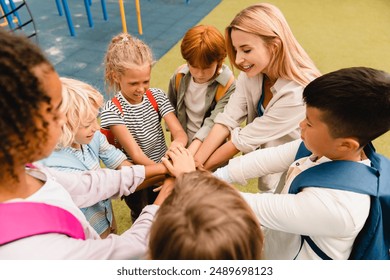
114	104
158	94
156	91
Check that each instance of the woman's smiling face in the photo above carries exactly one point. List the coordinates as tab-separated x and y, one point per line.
252	53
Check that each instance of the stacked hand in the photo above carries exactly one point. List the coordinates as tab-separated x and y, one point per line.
179	160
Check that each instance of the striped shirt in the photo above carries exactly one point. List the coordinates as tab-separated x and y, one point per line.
142	121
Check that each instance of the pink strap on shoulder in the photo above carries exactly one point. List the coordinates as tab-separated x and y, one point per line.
24	219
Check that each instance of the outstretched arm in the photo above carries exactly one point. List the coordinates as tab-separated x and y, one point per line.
154	174
181	161
221	156
177	132
214	139
194	146
130	145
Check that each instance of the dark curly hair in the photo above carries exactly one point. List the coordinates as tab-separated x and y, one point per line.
21	96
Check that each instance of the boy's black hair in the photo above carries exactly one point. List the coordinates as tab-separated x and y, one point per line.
355	102
20	97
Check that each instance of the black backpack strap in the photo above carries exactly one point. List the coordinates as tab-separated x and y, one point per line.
314	247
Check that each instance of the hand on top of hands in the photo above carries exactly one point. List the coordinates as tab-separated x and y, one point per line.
178	160
174	145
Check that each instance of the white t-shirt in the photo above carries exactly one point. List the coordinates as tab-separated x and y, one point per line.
195	98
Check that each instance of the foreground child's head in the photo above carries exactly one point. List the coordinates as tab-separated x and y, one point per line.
259	40
205	218
349	104
128	65
203	47
81	103
30	96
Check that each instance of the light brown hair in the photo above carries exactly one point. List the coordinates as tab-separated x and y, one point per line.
205	218
124	52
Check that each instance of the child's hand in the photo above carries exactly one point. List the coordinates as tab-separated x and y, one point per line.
182	161
174	145
199	166
165	190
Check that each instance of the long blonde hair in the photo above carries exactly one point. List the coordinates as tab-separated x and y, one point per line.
124	52
205	218
80	101
289	60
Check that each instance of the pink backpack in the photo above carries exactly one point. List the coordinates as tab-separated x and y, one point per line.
24	219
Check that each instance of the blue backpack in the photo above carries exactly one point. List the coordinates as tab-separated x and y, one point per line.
373	241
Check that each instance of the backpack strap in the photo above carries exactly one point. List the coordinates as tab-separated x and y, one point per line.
221	90
24	219
152	100
117	104
179	76
351	175
342	175
314	247
339	174
107	132
302	152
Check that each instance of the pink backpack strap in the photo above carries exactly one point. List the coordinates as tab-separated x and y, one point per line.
24	219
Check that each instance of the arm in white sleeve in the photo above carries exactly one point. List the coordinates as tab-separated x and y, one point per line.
223	173
96	185
132	244
259	163
281	117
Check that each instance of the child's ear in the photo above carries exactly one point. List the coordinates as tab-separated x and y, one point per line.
348	144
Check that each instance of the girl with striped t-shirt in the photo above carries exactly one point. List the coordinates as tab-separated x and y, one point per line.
136	125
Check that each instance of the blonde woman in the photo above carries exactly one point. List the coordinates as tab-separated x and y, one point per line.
268	96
